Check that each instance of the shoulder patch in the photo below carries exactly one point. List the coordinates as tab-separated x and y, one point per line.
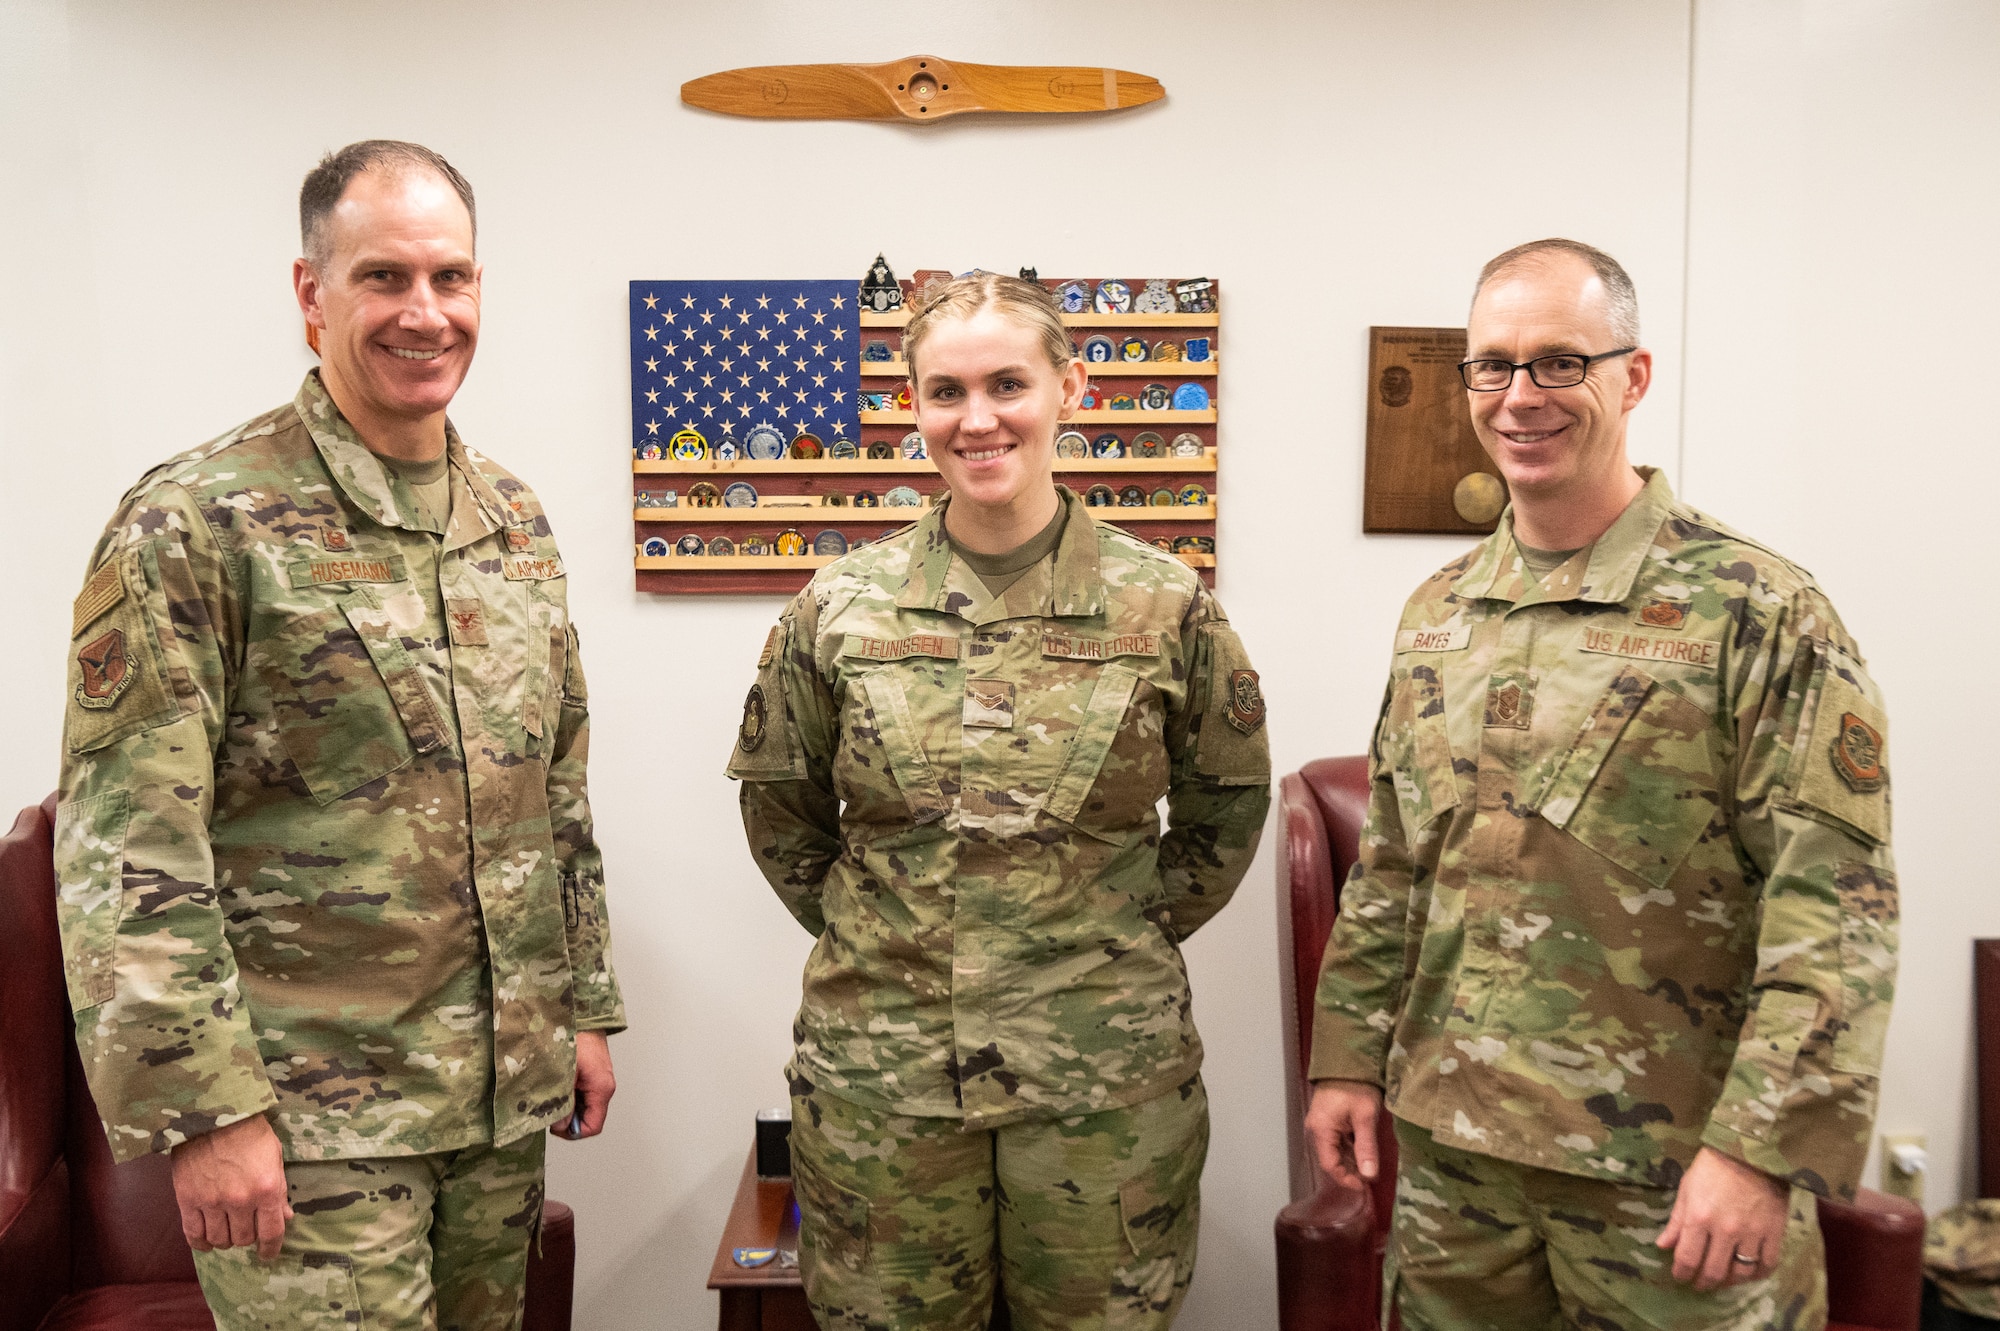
106	671
105	589
1246	701
1843	770
756	721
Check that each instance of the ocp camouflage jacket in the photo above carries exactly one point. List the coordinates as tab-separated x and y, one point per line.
324	843
958	793
1625	885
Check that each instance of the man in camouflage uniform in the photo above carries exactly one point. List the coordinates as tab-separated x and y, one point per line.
996	1036
332	906
1620	945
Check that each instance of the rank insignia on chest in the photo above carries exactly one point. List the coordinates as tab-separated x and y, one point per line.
106	671
518	540
1857	754
750	734
1246	701
336	539
1509	704
467	619
1660	613
989	704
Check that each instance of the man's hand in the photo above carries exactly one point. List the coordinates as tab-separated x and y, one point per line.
594	1087
1340	1124
1724	1208
231	1187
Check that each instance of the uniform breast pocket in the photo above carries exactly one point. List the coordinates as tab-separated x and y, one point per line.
350	704
1639	786
1115	769
547	657
1417	749
893	721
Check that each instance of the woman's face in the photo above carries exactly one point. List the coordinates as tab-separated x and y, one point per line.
988	403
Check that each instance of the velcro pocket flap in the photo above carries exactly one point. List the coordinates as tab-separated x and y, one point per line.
912	770
1638	783
90	892
399	673
1091	743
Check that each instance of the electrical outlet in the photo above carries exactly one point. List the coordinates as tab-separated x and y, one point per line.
1904	1164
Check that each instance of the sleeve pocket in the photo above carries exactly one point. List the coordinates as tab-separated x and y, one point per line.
90	893
1870	921
1760	1079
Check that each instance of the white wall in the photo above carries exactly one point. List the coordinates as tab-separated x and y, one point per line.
1336	165
1842	282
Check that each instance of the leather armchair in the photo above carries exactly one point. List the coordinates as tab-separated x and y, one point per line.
87	1245
1331	1239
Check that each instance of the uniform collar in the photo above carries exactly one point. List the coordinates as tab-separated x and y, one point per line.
1614	560
378	491
1076	582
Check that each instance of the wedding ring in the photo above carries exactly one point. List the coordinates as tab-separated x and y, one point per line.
1739	1257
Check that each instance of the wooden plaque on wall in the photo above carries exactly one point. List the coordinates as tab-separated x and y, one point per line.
1420	439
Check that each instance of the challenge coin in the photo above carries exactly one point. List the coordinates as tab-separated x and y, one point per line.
1163	498
1131	497
1148	444
829	542
703	495
913	446
765	444
1155	299
690	545
1133	347
1155	397
1099	496
1166	349
1113	297
1121	402
1070	444
789	542
881	450
1190	397
722	545
1107	445
1197	348
1193	494
1093	397
807	446
866	499
739	494
903	496
753	544
1074	297
656	546
689	445
1188	445
1098	350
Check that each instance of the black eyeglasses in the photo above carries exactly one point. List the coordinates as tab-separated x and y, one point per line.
1563	370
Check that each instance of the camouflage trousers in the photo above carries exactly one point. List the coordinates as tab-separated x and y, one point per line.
1079	1223
1480	1244
430	1242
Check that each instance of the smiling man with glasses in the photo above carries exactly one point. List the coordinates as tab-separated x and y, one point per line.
1619	951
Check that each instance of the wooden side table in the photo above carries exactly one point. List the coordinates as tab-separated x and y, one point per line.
761	1298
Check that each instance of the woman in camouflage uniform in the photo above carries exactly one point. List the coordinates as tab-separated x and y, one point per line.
952	761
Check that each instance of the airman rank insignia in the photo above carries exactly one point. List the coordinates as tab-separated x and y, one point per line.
106	671
989	704
1660	613
105	589
1246	701
1857	754
1509	705
467	618
518	540
336	539
750	734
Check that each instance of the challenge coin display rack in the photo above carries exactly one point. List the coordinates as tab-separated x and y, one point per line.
1145	447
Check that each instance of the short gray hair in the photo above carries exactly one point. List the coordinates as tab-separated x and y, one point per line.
327	182
1621	300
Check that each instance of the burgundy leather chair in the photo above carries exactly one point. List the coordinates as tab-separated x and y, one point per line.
1331	1238
85	1243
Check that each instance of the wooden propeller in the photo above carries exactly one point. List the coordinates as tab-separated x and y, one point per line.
919	88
